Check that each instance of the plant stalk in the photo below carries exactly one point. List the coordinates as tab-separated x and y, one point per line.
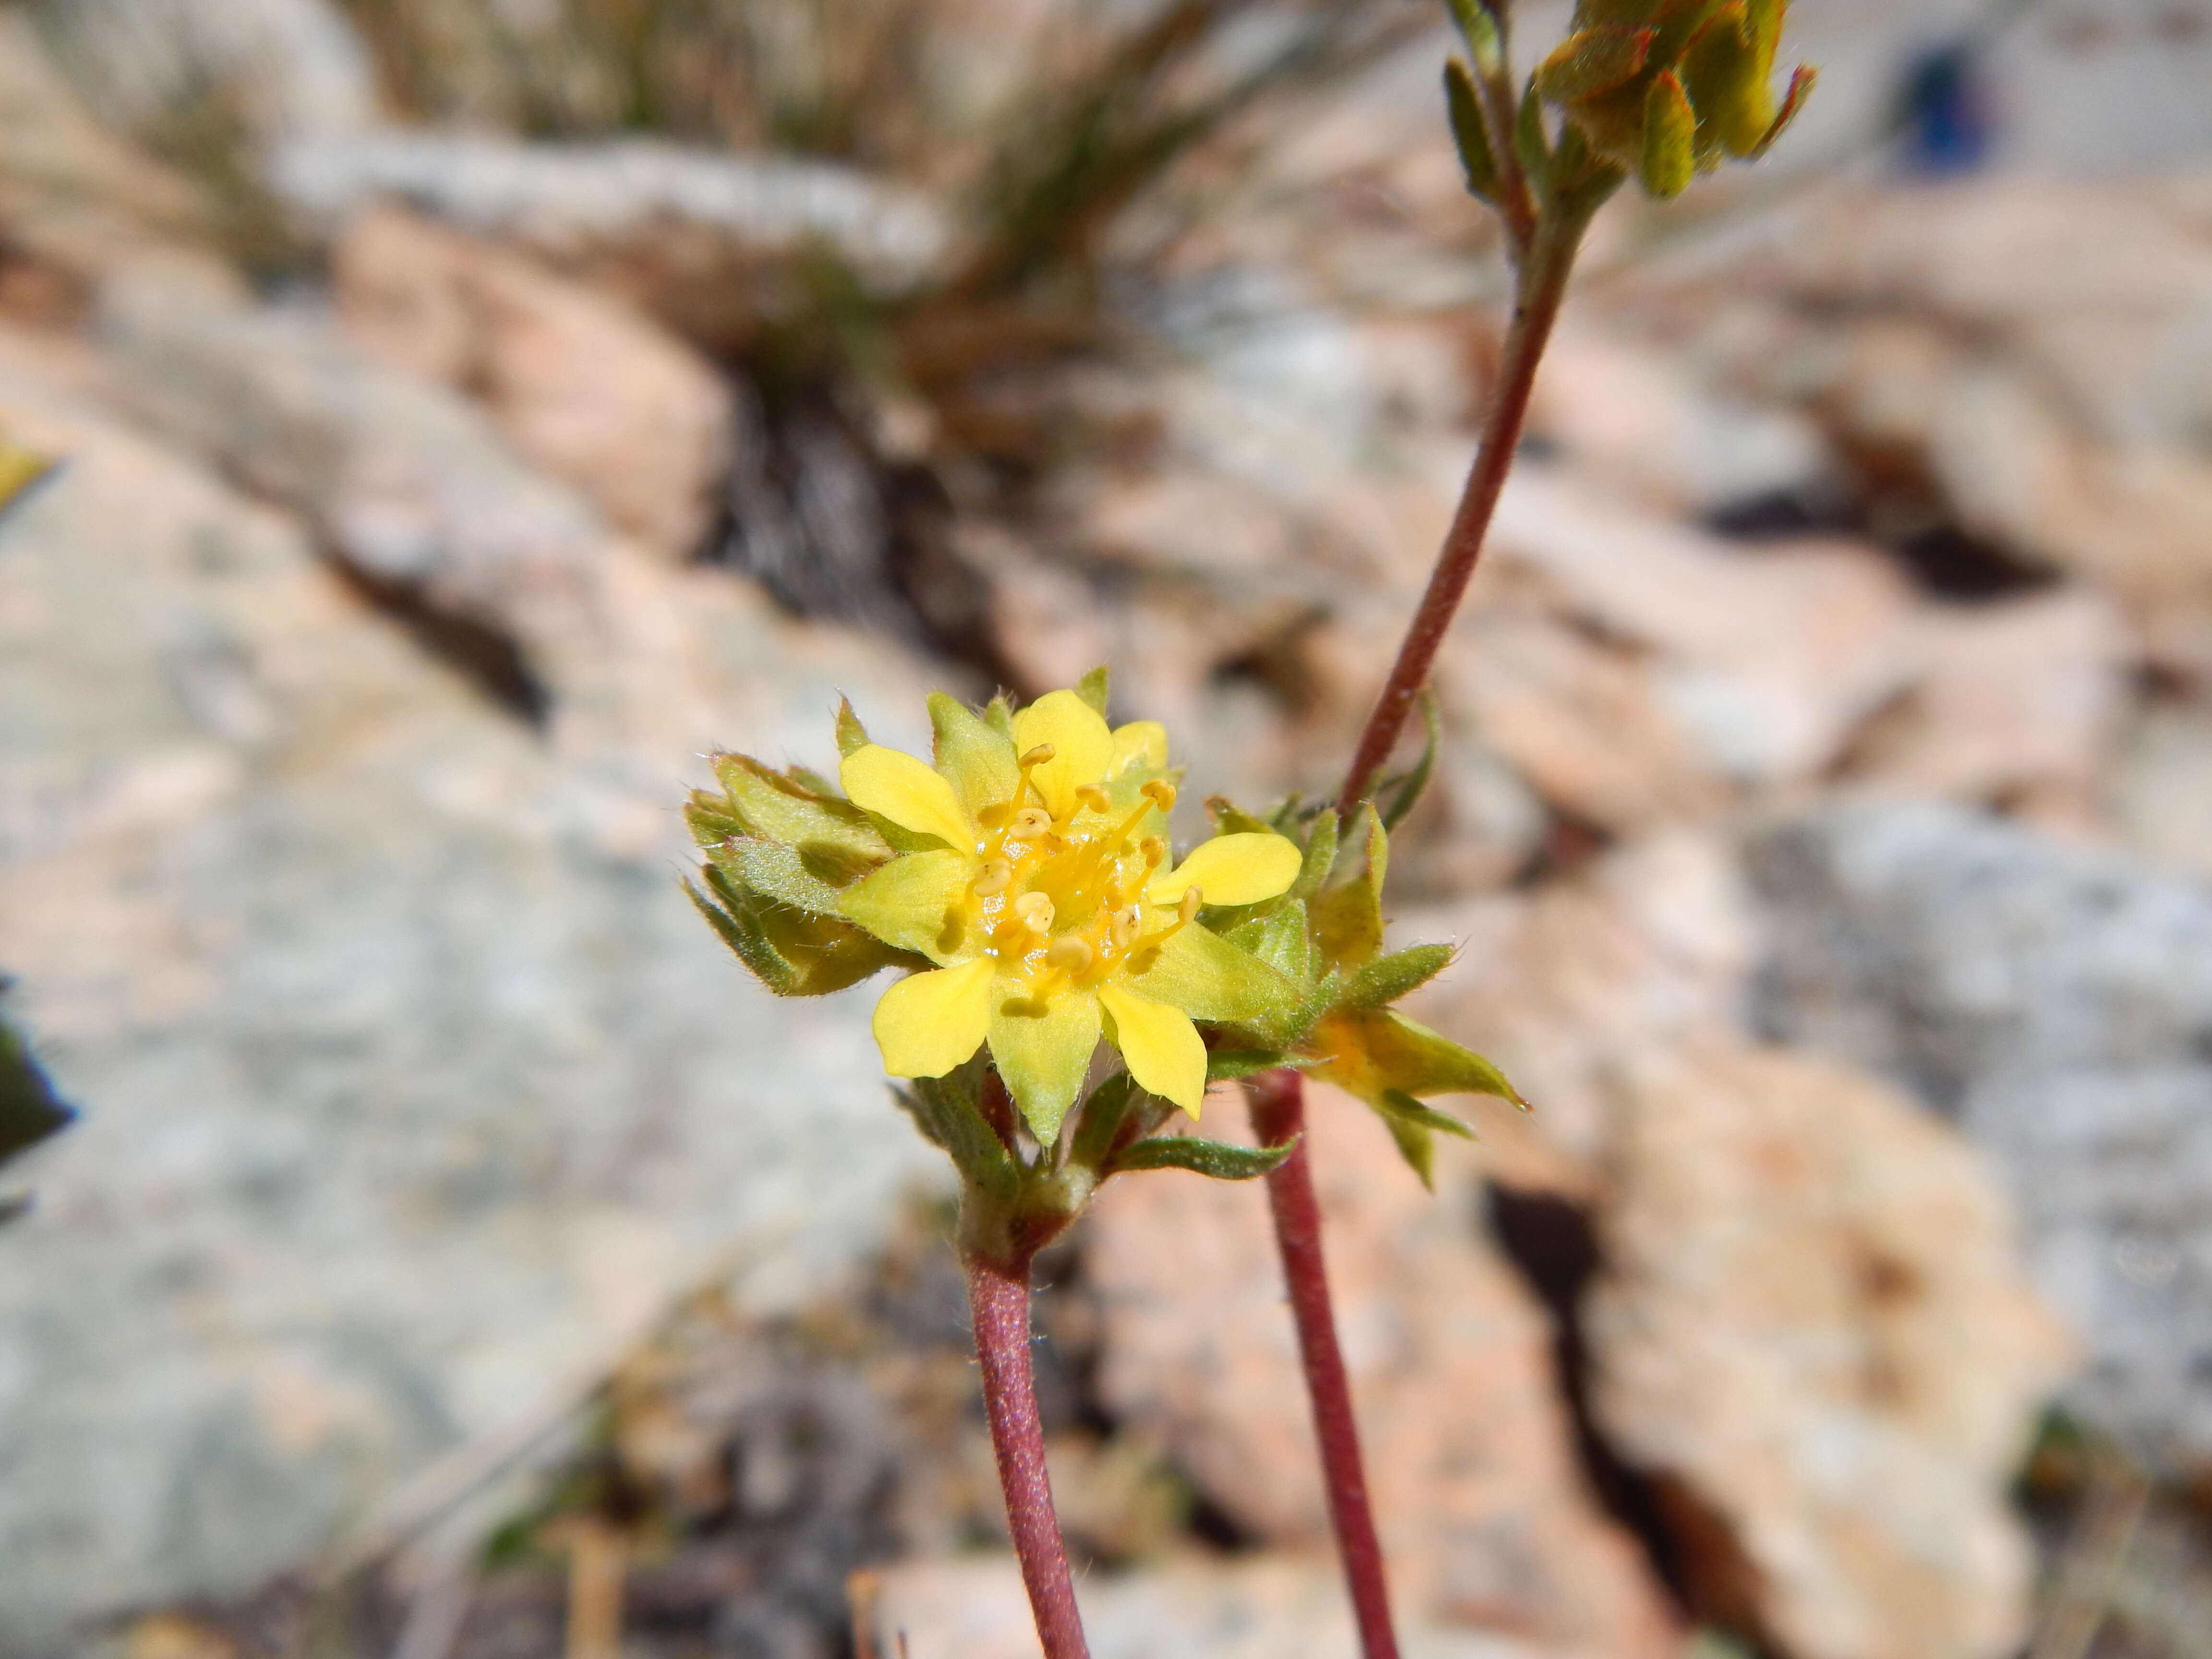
999	1300
1278	1113
1540	286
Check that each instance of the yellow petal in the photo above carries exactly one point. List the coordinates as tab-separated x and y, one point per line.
896	786
1081	746
1142	744
1239	869
1163	1050
927	1023
915	903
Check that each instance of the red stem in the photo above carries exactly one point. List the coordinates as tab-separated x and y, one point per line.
1278	1113
1542	286
998	1299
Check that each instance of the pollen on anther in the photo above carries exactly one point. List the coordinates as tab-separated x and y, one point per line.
1029	823
1186	912
1161	794
1035	910
1127	924
1069	952
997	873
1154	850
1036	757
1095	798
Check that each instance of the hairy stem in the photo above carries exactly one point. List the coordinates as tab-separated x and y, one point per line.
1278	1113
1542	286
999	1300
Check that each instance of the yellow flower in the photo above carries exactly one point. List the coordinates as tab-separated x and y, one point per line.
1034	872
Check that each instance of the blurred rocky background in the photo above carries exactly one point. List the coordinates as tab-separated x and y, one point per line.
429	425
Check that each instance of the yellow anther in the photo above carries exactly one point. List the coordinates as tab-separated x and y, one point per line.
1095	798
1154	850
1029	823
1035	910
1128	923
1036	757
1186	912
1069	953
1161	794
997	873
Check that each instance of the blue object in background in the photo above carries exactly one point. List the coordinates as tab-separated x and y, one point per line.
1944	111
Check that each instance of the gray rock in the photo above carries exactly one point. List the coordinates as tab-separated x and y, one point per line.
2057	1001
412	1090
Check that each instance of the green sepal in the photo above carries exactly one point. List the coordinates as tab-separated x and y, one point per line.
791	953
1670	131
946	1111
999	715
711	818
1113	1114
1386	979
839	841
1347	916
1401	1106
1592	61
774	871
1278	937
1285	818
1370	1051
1213	1159
1469	136
1092	688
851	735
1414	1127
1416	782
978	761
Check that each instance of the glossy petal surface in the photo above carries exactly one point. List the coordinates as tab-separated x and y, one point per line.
896	786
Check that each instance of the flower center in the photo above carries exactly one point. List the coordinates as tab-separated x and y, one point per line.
1059	900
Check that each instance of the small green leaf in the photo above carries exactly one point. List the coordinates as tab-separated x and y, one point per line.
1092	689
1386	979
791	952
1417	780
1321	857
1478	28
1468	134
1670	132
1213	1159
1225	1064
851	735
1401	1106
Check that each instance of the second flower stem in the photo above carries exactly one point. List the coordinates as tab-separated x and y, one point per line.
1279	1115
1540	285
998	1301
